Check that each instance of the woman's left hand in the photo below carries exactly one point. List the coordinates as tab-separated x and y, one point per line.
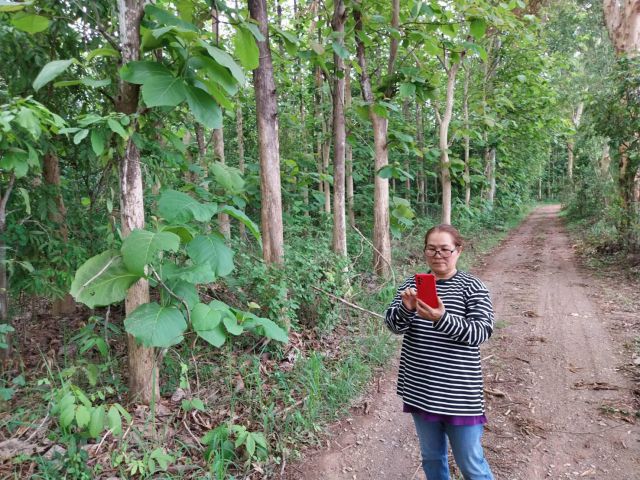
430	313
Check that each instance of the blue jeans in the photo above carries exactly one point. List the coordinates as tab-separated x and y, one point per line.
465	445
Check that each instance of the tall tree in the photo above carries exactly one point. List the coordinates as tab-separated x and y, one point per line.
339	133
143	372
381	234
269	148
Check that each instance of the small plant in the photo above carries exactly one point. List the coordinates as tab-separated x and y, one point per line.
77	414
221	451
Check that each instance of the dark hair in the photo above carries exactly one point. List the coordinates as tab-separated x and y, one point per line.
446	228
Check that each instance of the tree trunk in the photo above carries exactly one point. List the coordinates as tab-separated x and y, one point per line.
443	143
4	285
339	135
349	150
143	372
381	236
268	146
422	184
406	113
58	215
224	225
240	142
571	142
319	123
465	113
623	22
491	167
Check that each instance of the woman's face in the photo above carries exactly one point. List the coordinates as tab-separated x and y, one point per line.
437	243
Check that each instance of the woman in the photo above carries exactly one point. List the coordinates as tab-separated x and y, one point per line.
440	377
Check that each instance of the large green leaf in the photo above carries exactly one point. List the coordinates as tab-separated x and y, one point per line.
163	91
7	6
227	177
246	48
102	280
186	291
30	23
478	27
243	218
156	326
96	424
264	326
224	59
140	72
211	249
204	108
206	322
179	207
50	71
141	247
200	273
216	72
16	160
167	18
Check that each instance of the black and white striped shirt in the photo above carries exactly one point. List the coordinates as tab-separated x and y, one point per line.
440	368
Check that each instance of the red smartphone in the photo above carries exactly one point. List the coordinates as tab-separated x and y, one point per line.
426	286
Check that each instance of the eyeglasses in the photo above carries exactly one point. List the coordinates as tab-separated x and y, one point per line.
444	252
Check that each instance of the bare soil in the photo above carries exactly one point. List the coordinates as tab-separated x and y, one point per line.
561	383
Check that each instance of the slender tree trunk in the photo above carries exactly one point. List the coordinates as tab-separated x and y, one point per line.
224	225
443	143
240	142
319	123
571	142
58	215
381	236
268	146
406	114
465	113
4	284
143	372
349	150
339	135
422	184
491	161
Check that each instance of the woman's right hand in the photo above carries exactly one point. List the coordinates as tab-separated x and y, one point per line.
410	298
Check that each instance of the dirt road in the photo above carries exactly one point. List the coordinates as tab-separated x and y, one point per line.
559	393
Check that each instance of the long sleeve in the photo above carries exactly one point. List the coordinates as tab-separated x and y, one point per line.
398	318
476	326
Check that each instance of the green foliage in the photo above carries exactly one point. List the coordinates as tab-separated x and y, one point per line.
177	264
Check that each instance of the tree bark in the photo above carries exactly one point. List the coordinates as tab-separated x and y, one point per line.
339	135
422	183
349	150
381	236
465	114
143	372
4	285
623	22
58	215
240	143
571	142
443	143
224	225
491	175
268	146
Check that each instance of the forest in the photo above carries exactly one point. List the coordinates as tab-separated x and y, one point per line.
206	205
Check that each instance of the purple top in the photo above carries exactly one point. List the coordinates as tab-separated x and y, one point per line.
457	420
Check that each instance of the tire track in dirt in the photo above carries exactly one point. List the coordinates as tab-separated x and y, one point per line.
551	373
